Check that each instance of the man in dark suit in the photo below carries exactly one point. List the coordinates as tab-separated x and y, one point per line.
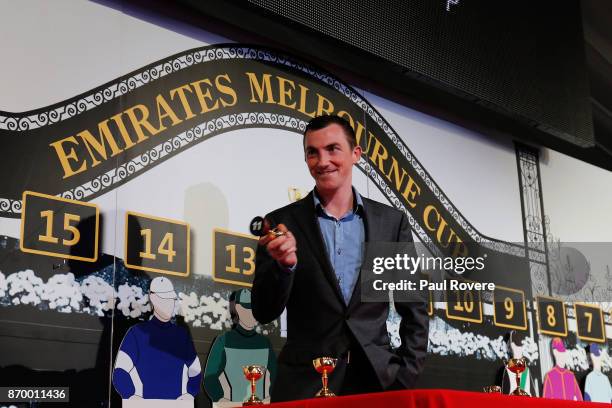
312	269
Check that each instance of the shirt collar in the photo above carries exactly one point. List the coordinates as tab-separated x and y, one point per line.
357	201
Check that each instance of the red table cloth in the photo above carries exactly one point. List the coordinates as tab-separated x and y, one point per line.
435	399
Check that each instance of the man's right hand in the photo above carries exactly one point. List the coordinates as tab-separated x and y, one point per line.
281	248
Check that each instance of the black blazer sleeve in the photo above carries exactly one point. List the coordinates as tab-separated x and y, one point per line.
271	286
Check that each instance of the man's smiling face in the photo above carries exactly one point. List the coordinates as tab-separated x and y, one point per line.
330	158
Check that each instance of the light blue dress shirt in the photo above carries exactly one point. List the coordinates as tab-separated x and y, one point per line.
344	240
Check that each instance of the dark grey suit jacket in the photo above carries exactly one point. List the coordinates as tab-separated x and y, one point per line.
319	323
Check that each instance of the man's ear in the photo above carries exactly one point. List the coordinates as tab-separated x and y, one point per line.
357	154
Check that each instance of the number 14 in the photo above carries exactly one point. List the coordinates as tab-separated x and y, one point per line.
166	247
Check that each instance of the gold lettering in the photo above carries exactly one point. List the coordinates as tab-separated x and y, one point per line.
440	232
118	119
180	91
459	249
285	93
167	113
395	170
141	123
260	88
65	157
303	97
226	90
411	191
98	145
379	155
426	214
358	133
203	96
324	106
370	137
347	116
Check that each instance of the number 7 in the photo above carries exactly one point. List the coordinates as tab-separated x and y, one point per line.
589	317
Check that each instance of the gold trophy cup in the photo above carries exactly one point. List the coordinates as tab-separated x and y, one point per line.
324	366
253	373
517	366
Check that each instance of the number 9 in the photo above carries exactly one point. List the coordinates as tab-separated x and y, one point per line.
509	306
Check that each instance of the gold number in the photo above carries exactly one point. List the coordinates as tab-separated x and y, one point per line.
146	233
589	317
458	306
68	218
166	247
232	266
168	241
76	234
509	306
48	237
550	316
249	260
467	305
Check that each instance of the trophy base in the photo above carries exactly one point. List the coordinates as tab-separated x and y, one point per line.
253	400
492	389
324	393
520	392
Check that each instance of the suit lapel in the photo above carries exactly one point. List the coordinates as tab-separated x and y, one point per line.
306	218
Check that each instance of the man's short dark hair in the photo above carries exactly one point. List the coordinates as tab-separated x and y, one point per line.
323	121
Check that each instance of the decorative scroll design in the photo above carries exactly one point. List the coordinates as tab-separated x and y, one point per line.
181	142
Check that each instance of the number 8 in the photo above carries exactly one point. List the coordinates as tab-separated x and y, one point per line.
550	315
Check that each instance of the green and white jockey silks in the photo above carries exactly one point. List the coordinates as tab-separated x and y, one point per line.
509	381
230	351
